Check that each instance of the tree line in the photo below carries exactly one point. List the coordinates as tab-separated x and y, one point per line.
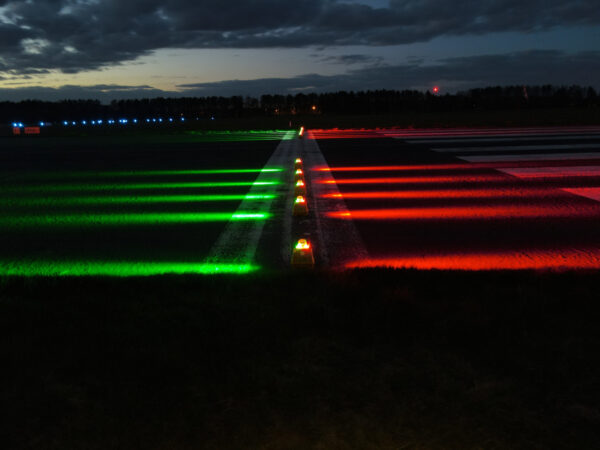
333	103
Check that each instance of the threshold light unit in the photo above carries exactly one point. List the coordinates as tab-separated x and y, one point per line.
298	163
300	207
300	188
299	174
302	255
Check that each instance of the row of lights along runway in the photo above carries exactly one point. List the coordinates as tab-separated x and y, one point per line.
302	254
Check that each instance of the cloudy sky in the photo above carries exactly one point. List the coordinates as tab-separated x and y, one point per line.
107	49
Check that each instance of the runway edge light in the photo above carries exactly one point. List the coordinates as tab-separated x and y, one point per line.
302	255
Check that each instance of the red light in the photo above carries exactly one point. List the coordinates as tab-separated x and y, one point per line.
474	212
518	192
436	89
421	180
502	260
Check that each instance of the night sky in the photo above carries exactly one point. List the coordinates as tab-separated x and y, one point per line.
110	49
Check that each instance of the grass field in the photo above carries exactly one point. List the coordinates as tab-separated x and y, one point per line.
355	360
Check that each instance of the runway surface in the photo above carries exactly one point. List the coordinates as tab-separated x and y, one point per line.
465	199
468	199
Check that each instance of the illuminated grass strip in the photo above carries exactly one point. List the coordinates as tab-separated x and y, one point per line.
68	220
119	268
137	186
131	200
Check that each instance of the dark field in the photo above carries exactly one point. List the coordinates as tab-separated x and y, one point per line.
364	359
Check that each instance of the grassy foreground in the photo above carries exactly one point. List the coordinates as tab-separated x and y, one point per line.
358	360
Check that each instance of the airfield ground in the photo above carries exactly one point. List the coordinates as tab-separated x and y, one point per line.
221	345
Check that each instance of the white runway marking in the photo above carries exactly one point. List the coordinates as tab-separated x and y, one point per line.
503	138
339	241
532	157
593	193
553	172
517	148
239	239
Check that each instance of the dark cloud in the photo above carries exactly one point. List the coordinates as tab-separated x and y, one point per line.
74	35
532	67
452	74
351	59
104	93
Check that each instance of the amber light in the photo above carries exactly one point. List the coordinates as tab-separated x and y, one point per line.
303	244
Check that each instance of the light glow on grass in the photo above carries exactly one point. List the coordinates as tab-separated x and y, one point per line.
119	268
131	200
69	220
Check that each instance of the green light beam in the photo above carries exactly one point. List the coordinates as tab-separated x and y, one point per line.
129	200
184	172
119	268
135	186
69	220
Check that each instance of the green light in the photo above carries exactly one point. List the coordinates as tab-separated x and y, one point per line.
68	220
240	136
119	268
131	200
182	172
137	186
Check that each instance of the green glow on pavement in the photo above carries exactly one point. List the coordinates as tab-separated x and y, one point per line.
183	172
130	200
242	136
67	220
135	186
119	268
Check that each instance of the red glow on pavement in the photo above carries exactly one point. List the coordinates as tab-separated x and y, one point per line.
445	193
476	212
446	132
463	166
505	260
555	172
420	180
